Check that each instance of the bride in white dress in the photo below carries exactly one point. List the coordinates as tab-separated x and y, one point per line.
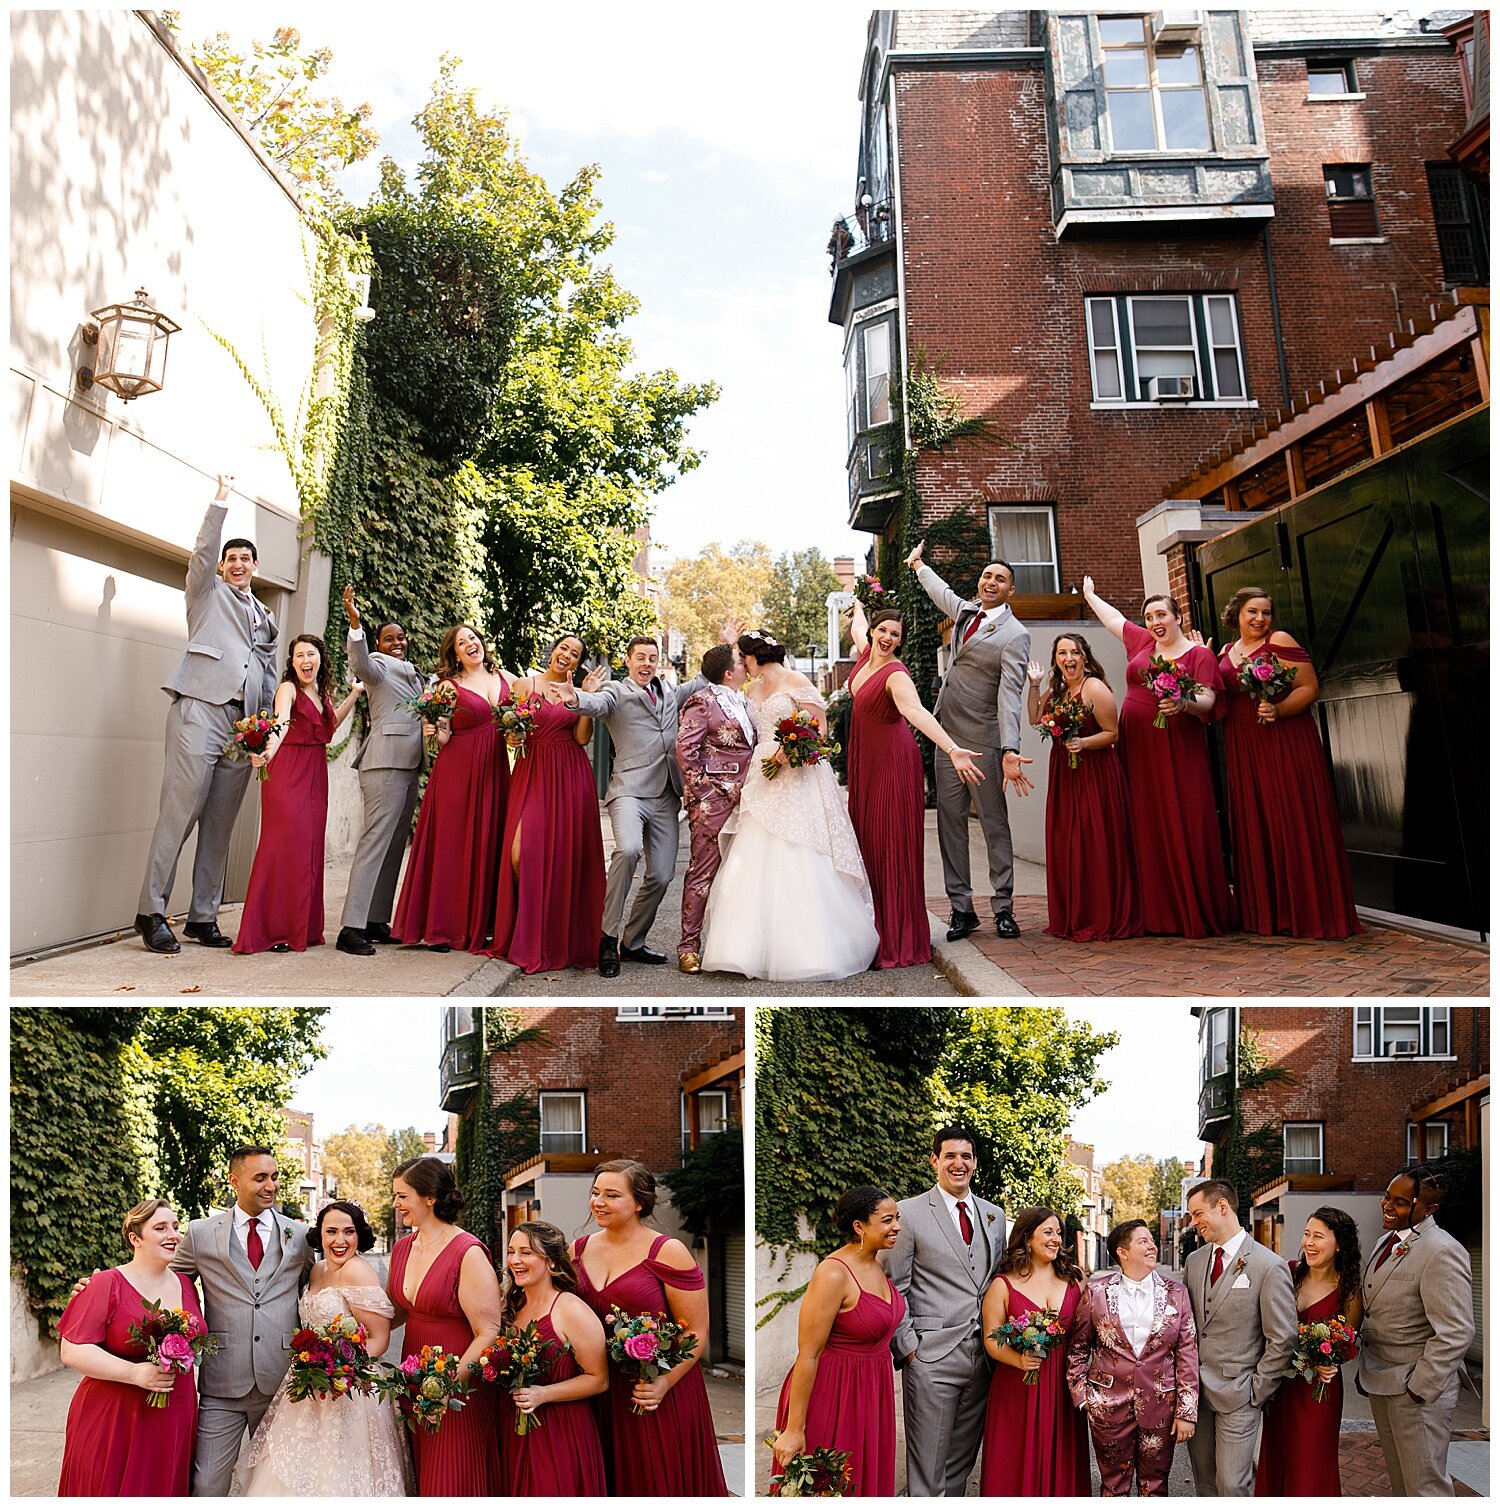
352	1446
791	902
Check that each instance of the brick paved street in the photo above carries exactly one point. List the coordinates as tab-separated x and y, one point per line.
1381	962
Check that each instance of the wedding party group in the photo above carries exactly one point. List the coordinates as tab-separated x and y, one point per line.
577	1375
1011	1356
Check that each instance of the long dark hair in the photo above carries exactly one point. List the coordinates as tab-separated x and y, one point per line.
1056	687
325	673
1346	1262
1017	1258
546	1240
448	666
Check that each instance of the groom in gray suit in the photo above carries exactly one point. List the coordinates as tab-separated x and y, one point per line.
979	707
643	798
251	1264
945	1257
1246	1312
228	671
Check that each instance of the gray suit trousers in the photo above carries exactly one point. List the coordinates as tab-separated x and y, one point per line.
222	1425
1222	1452
953	830
1414	1441
942	1406
199	786
390	797
648	825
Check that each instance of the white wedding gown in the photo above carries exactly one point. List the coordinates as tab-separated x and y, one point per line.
353	1447
791	901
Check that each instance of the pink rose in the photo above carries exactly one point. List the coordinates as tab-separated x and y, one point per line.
641	1347
411	1365
1326	1348
1262	669
175	1348
1166	685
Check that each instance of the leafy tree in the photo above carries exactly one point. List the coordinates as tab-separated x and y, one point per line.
708	1190
361	1161
796	599
706	589
1128	1181
1166	1184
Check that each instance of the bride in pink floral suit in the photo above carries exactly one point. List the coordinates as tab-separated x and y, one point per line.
1133	1366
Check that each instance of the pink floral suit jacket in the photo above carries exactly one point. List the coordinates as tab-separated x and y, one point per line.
1112	1382
712	753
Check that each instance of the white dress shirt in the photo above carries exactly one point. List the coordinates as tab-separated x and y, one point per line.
968	1203
242	1223
1229	1248
734	704
1137	1309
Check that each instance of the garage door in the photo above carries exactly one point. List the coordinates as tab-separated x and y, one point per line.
734	1298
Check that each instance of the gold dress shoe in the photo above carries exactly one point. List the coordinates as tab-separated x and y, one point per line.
690	962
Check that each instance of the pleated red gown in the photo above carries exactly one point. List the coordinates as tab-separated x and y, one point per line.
671	1452
853	1402
886	809
284	899
1091	887
448	894
1174	827
1299	1441
548	915
463	1458
1291	868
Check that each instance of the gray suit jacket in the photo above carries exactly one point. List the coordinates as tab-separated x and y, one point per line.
395	740
1247	1325
644	737
930	1268
251	1313
226	659
980	702
1419	1316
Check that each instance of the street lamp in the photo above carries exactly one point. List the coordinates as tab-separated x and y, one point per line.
131	344
812	660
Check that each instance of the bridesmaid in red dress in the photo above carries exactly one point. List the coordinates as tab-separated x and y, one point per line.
117	1444
841	1393
561	1456
1035	1440
551	893
670	1450
1291	868
886	797
453	870
446	1293
1299	1441
1091	892
1179	861
284	901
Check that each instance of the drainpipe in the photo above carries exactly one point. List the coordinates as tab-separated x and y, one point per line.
1286	388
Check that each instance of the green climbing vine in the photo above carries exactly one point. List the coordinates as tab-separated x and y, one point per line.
1249	1156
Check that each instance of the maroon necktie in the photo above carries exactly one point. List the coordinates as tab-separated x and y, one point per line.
254	1247
965	1225
1218	1271
1385	1253
973	627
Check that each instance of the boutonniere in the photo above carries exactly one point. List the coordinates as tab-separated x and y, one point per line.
286	1234
989	1219
1239	1266
1401	1249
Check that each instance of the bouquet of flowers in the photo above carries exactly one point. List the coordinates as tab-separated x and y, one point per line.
643	1345
438	699
1263	677
869	593
1037	1334
1330	1342
518	720
330	1361
801	742
823	1473
1168	681
430	1385
517	1358
1061	720
251	736
174	1340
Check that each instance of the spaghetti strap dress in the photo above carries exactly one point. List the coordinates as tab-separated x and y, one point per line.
1299	1440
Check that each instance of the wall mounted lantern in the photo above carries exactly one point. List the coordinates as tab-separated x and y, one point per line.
131	341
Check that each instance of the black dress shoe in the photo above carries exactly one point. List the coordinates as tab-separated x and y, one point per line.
440	947
208	933
380	931
352	940
1005	926
609	958
642	954
279	947
156	934
961	923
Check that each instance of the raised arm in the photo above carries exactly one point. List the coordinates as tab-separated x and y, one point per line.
1111	617
859	628
366	667
203	563
820	1307
342	710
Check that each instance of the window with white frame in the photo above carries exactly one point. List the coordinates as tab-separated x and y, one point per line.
1428	1148
713	1113
1301	1148
674	1012
1180	337
1025	536
1213	1043
1153	93
562	1121
1382	1031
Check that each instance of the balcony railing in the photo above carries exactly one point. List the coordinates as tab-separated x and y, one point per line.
460	1072
869	225
1214	1105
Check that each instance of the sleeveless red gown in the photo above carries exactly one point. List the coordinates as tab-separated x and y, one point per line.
853	1402
1179	864
448	894
1291	868
284	899
463	1458
561	1458
549	914
886	808
671	1452
1299	1441
116	1444
1091	888
1035	1440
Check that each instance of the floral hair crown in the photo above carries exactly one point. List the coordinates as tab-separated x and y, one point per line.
760	637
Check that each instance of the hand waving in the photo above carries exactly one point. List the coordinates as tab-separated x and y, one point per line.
596	678
914	559
1034	672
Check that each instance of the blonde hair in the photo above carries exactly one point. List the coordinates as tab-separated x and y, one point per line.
135	1219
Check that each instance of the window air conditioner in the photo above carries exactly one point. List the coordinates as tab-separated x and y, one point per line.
1169	389
1176	26
1406	1048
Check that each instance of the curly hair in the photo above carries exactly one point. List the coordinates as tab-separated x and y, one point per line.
448	666
1056	688
547	1241
1346	1257
1017	1258
761	647
364	1236
856	1205
325	672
